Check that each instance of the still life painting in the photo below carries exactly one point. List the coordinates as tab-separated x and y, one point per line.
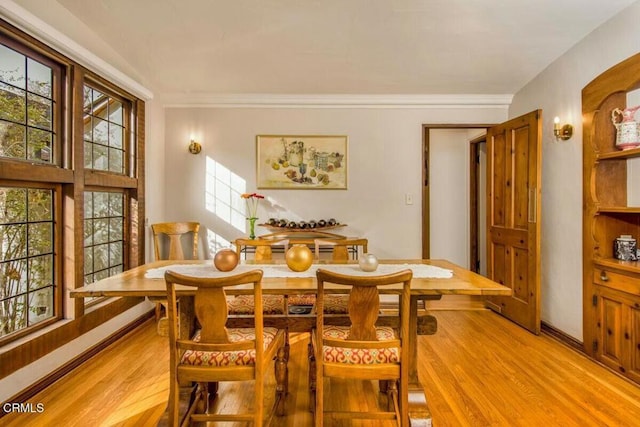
301	162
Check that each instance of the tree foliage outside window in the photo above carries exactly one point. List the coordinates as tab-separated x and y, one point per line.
103	132
26	107
26	257
103	235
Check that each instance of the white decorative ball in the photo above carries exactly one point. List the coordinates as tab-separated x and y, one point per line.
368	262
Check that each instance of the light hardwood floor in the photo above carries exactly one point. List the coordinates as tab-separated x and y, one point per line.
481	370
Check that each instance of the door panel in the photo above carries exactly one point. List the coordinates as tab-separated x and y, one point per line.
513	215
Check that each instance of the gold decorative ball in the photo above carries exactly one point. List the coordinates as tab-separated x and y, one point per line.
225	259
299	257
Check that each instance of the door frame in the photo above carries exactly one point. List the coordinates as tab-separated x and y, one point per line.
426	204
474	201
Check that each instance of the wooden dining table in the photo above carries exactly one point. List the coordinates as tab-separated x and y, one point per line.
137	283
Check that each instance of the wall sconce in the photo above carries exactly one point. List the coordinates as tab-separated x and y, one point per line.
562	132
195	147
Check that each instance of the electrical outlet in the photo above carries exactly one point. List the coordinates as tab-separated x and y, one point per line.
408	199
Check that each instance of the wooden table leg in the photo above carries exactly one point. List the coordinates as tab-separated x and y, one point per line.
419	414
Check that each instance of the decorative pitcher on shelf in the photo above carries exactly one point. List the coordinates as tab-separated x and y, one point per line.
628	129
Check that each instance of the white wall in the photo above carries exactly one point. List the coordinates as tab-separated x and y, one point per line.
449	194
385	163
557	91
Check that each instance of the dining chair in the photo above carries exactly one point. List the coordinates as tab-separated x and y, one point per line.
362	350
217	354
342	249
168	239
242	305
262	248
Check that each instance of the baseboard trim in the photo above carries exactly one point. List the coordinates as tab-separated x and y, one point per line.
54	376
558	335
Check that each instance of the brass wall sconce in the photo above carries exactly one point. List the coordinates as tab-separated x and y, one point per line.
195	147
562	132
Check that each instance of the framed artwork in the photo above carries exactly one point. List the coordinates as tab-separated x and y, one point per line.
301	162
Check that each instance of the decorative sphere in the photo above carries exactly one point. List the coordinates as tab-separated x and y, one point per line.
225	259
368	262
299	257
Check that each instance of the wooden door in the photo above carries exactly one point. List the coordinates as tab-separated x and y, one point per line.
514	161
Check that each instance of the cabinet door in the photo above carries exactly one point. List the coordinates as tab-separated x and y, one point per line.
611	321
633	365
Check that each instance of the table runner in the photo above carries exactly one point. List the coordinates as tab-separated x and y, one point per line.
271	270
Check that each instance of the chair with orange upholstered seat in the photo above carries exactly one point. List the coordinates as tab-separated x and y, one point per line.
362	350
216	353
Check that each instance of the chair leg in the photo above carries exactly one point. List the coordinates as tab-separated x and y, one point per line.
282	380
392	400
312	378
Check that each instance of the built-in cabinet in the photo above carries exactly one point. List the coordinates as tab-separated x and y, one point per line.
611	287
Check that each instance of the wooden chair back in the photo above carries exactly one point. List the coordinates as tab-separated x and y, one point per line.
363	312
211	311
263	247
174	232
342	249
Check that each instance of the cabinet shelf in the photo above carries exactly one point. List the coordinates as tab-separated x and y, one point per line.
628	266
619	155
618	209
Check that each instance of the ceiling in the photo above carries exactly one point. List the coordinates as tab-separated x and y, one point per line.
341	46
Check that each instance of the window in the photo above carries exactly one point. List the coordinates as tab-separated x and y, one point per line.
27	286
70	202
103	235
27	107
104	132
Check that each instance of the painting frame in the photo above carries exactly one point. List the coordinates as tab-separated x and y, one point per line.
302	162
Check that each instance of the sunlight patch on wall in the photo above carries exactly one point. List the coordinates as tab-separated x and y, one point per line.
215	242
222	194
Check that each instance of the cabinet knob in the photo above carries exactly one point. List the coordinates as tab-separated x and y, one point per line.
603	276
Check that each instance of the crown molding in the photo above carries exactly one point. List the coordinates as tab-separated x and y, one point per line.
39	29
335	101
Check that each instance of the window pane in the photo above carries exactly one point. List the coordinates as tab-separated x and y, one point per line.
40	305
39	145
12	105
115	229
12	67
115	112
100	231
100	159
98	99
87	95
14	241
14	315
88	155
116	202
100	257
115	253
15	277
40	205
115	160
88	232
103	235
115	135
12	140
40	78
100	131
12	205
40	239
88	128
40	111
41	272
100	204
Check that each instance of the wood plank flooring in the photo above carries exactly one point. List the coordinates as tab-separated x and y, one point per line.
480	369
